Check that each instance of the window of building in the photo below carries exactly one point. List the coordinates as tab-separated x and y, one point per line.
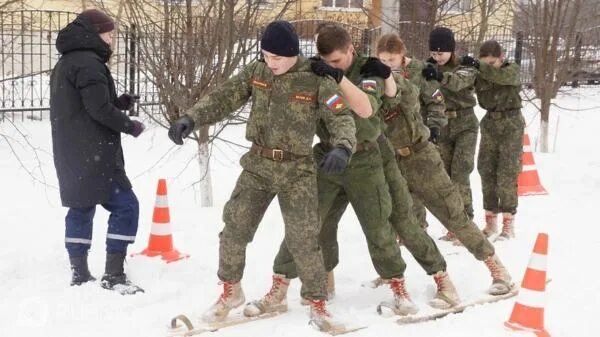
342	4
264	3
456	6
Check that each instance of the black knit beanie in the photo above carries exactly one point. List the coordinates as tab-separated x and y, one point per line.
280	39
441	39
101	22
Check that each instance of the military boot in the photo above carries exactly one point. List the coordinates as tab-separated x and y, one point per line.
508	227
80	272
231	298
322	318
114	277
501	280
449	237
274	301
446	295
330	285
403	305
375	283
330	289
491	224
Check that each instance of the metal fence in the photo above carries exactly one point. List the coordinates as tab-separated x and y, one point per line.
27	55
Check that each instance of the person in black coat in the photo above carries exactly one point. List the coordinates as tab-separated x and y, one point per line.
87	121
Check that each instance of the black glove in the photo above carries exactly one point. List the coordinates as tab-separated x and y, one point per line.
374	67
137	129
434	134
126	101
336	160
323	69
469	61
430	73
180	129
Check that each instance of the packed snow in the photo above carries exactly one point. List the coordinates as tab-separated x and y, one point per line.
36	299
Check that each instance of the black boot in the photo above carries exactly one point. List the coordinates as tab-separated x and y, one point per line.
115	279
80	271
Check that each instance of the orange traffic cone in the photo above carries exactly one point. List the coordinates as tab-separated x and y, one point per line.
161	241
529	181
528	311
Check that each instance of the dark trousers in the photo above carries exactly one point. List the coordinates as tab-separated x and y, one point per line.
122	223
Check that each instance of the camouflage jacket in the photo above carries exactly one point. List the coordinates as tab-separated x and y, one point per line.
285	108
458	86
402	115
498	89
430	95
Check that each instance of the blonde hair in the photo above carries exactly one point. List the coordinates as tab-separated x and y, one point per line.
391	43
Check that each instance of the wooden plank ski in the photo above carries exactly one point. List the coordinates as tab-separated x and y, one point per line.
457	309
181	325
345	330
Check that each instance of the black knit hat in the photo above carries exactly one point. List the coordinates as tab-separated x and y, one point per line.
441	39
101	22
280	39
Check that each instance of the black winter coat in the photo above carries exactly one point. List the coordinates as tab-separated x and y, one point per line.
85	118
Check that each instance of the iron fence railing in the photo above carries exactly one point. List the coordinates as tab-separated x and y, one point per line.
28	53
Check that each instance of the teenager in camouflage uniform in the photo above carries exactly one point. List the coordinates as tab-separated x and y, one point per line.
391	50
362	184
287	100
421	164
458	139
500	149
402	218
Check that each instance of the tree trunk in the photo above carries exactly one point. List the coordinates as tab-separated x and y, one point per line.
206	194
545	117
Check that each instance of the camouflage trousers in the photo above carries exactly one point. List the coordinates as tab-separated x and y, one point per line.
363	186
295	185
457	144
499	161
403	220
427	178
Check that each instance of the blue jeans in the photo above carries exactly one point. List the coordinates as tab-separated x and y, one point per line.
122	223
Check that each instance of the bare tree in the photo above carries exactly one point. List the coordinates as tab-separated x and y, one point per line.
9	4
551	27
471	20
188	47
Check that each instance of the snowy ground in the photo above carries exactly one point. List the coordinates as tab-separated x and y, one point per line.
35	299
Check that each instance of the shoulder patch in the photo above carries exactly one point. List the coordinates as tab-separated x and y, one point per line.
255	82
463	72
369	85
303	98
437	96
335	103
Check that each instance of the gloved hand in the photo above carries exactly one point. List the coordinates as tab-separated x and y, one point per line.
434	134
126	101
180	129
374	67
469	61
137	128
323	69
430	73
336	160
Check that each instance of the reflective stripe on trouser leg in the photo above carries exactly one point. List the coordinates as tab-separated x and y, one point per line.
78	230
123	221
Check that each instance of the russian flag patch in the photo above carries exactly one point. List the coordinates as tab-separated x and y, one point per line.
335	103
369	85
438	96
